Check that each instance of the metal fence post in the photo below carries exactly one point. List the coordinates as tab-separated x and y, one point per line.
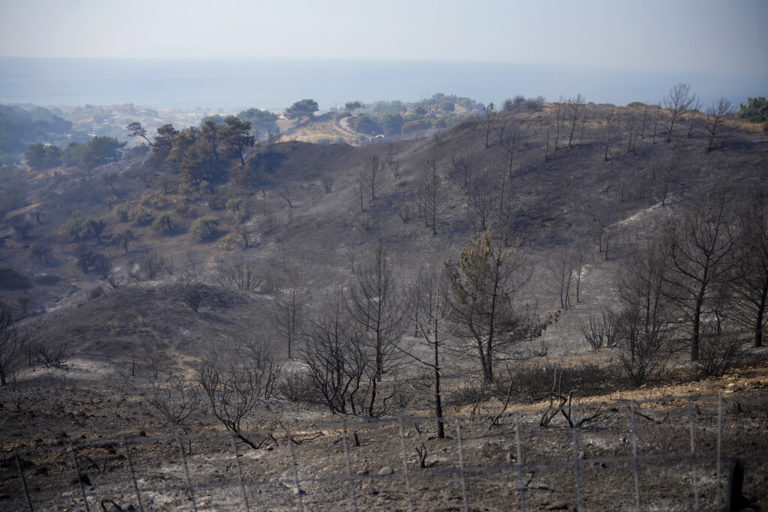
79	477
186	473
296	481
635	460
349	465
719	448
576	474
405	466
519	462
693	455
461	467
23	481
239	472
133	475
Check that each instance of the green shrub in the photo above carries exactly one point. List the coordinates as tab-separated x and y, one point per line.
233	205
755	111
392	124
367	124
164	223
204	228
76	228
122	212
414	126
141	217
73	228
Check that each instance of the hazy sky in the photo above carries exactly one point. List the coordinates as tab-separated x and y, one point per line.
689	35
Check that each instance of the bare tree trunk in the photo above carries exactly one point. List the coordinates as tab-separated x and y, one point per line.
656	124
559	112
760	316
576	105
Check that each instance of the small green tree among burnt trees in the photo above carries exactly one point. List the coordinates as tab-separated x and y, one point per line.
486	284
135	129
43	156
303	108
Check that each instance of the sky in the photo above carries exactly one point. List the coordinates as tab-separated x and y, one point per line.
689	35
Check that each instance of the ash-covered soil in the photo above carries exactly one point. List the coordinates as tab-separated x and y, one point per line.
60	429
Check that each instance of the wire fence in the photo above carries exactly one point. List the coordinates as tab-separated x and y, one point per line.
673	453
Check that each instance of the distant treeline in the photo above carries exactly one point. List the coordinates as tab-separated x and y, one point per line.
20	127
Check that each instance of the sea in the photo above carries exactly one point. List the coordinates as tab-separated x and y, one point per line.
229	85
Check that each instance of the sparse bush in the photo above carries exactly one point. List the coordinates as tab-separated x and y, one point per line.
335	360
21	227
95	293
327	181
192	297
642	359
204	228
473	392
153	265
239	398
406	212
40	252
600	332
173	399
243	276
717	353
260	356
51	356
298	387
534	382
